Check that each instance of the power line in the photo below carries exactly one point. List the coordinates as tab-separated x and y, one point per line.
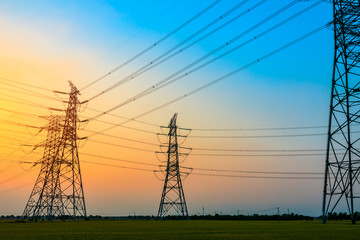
259	172
117	166
12	154
122	117
223	155
123	138
13	177
21	101
260	155
207	169
20	113
212	175
41	106
107	143
33	104
209	149
131	128
223	77
196	136
155	62
267	136
12	139
152	124
36	94
156	43
256	177
255	129
167	81
29	103
118	159
23	84
13	188
10	122
257	150
126	41
147	123
263	136
26	102
33	93
28	92
17	124
122	146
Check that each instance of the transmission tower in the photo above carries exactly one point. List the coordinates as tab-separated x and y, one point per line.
69	175
173	193
43	201
63	173
342	165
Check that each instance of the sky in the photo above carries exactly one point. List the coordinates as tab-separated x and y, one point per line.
47	43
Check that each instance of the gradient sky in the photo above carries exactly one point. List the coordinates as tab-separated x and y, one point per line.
47	43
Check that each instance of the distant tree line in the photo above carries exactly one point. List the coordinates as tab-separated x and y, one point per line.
241	217
253	217
284	217
342	216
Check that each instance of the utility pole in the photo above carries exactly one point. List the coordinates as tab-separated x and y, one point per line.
278	213
342	163
173	193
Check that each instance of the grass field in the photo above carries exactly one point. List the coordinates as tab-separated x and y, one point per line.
127	229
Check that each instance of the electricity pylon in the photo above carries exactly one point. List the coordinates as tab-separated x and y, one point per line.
43	201
60	178
342	165
173	193
69	174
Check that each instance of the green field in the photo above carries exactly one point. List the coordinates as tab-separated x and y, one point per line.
127	229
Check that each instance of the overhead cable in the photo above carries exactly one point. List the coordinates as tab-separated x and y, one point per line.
156	43
160	59
174	77
222	78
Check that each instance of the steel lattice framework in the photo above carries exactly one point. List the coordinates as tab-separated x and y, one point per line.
43	201
69	174
60	176
173	193
341	182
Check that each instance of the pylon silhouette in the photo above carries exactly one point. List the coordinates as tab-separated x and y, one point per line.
72	192
342	167
60	178
44	201
173	193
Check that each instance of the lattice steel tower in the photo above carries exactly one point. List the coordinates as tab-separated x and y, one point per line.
341	182
70	176
63	173
43	201
173	193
